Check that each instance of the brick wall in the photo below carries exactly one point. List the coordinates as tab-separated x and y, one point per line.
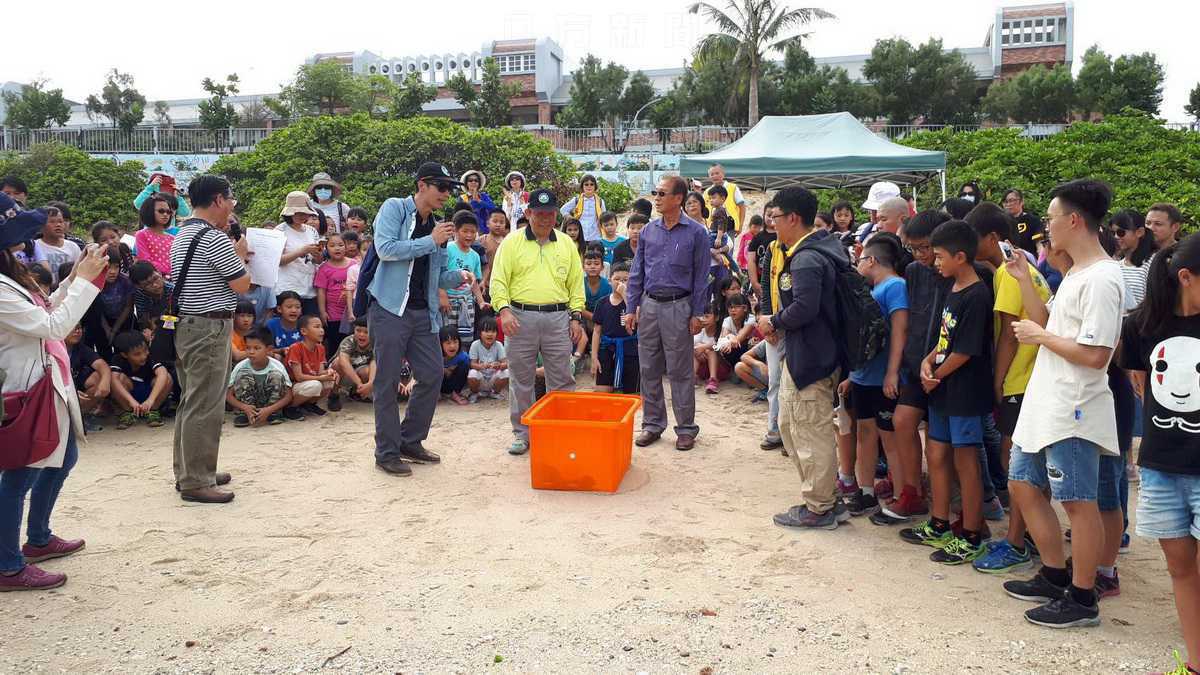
1037	11
1027	56
519	46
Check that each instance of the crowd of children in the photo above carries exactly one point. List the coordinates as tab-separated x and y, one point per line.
935	426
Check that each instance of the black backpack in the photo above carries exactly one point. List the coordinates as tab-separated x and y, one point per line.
861	326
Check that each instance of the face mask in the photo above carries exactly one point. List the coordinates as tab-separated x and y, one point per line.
970	198
323	194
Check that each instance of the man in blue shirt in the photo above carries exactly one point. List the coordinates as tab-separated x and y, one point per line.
668	282
404	318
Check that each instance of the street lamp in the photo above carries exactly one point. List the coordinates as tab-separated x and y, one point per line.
633	123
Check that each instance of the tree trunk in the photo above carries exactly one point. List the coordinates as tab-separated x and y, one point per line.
753	119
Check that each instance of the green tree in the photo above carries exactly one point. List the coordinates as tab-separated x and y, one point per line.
1038	95
489	105
119	101
162	114
756	27
410	96
1106	85
805	89
97	189
638	92
923	81
596	91
253	115
376	159
215	112
1193	105
36	107
323	88
375	95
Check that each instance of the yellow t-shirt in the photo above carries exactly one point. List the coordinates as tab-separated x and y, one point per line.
777	257
1008	301
731	204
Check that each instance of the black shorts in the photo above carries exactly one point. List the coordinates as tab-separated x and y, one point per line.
1009	410
734	356
608	369
869	403
81	378
913	396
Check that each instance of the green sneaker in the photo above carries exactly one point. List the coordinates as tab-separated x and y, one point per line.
925	535
957	552
1180	669
154	419
126	420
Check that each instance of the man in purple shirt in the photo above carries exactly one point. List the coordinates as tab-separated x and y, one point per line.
667	293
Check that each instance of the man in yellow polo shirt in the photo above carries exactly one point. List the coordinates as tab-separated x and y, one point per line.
735	203
537	288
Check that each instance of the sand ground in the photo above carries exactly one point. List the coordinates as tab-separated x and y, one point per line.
323	562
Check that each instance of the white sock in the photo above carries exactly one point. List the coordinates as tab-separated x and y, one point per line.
848	479
868	490
1109	572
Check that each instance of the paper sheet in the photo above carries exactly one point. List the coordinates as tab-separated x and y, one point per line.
267	246
129	241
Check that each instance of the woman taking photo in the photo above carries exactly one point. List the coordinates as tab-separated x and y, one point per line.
32	328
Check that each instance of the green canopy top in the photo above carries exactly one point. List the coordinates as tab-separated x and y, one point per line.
816	151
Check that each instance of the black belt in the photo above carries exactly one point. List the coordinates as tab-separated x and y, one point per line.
223	314
669	297
555	307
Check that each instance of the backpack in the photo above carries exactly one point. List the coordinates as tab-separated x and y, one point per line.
861	326
366	274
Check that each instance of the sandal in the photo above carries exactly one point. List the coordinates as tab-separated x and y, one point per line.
125	420
154	419
458	398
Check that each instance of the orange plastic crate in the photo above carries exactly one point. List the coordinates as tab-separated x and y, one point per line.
580	441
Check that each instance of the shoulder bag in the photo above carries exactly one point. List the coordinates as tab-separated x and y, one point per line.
29	430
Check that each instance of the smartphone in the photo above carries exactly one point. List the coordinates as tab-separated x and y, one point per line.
1007	249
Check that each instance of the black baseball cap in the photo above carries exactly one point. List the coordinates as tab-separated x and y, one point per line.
542	199
436	172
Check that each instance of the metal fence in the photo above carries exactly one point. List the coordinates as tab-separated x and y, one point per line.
140	140
666	140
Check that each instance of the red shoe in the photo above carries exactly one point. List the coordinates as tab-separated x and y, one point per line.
711	387
31	578
55	548
884	489
907	506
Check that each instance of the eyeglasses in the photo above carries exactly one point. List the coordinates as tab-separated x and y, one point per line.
1119	232
919	249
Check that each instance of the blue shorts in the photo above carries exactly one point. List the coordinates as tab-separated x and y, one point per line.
959	432
1108	494
1070	468
1169	505
141	390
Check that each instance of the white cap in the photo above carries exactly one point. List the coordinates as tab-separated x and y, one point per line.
880	193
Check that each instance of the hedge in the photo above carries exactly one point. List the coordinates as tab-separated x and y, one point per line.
94	188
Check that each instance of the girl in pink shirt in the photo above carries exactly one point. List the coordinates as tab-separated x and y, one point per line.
152	242
330	283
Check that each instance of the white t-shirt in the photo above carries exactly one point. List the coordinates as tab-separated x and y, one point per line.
727	327
333	213
485	355
298	275
703	338
1064	400
54	256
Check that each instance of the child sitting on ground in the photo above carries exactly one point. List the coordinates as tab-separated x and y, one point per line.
710	367
608	235
306	364
151	291
737	330
489	366
614	348
259	386
354	362
139	386
752	369
456	364
243	324
92	377
286	327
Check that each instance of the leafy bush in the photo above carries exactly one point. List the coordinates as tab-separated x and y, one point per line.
377	159
617	196
1142	160
95	189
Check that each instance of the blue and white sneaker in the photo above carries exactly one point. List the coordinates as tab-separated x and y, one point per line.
1001	558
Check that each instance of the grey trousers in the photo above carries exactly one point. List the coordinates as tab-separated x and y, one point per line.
665	348
547	334
776	355
398	338
202	349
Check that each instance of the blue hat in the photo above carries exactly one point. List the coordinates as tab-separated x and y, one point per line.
542	199
17	225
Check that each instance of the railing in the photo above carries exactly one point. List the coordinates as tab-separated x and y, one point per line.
140	140
667	140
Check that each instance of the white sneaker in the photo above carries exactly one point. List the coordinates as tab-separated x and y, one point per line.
473	398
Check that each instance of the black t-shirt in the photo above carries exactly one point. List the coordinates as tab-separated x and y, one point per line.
419	274
1028	226
926	291
119	364
608	317
966	328
760	249
1170	357
623	251
82	358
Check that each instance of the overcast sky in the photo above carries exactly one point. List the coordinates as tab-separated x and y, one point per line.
170	47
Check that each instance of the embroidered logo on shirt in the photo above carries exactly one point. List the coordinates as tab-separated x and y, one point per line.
785	281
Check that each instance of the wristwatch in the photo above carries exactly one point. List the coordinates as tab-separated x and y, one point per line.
577	316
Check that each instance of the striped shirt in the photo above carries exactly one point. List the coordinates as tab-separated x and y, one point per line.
1135	283
213	266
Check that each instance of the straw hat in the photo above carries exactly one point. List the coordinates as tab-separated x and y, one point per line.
323	180
477	172
296	202
510	175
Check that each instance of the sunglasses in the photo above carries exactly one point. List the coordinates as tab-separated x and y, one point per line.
660	193
1119	232
439	185
168	211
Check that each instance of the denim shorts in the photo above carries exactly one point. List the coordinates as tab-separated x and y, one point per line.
1108	492
1169	505
959	432
1070	468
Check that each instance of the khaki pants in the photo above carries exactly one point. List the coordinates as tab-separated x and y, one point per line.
203	351
806	426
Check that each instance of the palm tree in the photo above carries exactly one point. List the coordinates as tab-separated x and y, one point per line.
754	27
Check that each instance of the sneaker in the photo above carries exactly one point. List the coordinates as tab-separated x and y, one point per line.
840	512
91	424
1001	557
1037	589
925	535
241	420
846	489
518	447
55	548
771	442
1064	612
473	398
335	403
1125	542
712	386
907	506
126	420
882	519
759	397
1031	546
293	413
275	418
1181	667
154	419
30	578
499	396
956	552
861	504
993	510
884	489
802	518
1108	587
313	409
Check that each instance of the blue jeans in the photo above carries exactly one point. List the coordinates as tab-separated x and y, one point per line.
1070	468
1169	506
45	485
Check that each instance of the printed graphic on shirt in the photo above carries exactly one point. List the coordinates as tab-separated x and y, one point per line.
1175	383
943	343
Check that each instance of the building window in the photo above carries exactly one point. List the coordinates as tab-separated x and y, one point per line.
1044	30
516	63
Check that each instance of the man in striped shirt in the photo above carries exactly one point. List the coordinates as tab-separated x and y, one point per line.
208	286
